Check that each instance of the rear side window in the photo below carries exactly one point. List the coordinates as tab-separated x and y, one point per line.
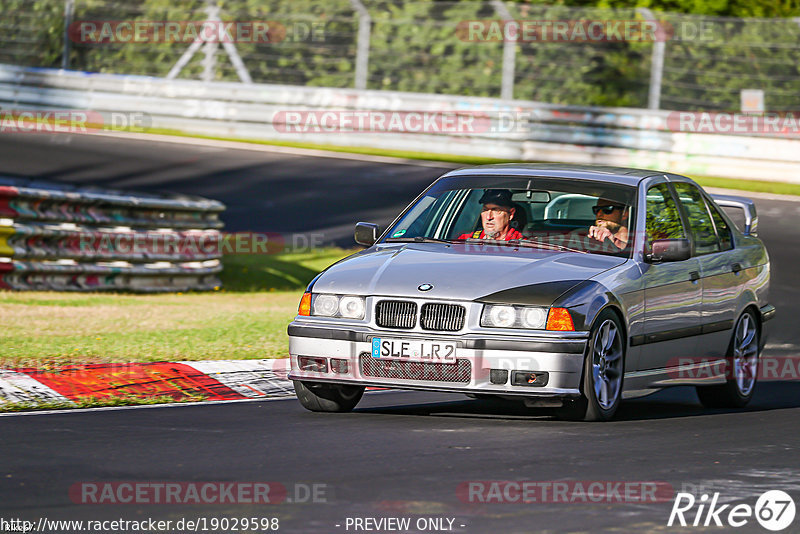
663	218
723	230
705	238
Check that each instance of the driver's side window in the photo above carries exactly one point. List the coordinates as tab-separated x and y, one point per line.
663	218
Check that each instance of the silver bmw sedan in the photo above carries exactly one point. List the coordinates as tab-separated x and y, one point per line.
564	286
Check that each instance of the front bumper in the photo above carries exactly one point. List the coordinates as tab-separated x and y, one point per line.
558	354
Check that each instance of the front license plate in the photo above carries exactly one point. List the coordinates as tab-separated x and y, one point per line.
414	350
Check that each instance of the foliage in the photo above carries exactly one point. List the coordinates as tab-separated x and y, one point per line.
416	46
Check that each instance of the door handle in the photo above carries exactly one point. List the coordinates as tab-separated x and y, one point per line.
694	275
736	267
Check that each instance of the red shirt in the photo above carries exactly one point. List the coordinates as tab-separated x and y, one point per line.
510	234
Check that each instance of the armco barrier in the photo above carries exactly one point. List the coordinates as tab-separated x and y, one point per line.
542	132
67	239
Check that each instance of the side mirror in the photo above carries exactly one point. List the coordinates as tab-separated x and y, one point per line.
366	233
669	250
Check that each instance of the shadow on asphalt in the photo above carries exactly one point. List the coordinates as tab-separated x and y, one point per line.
678	402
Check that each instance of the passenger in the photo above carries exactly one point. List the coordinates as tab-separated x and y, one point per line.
611	219
498	211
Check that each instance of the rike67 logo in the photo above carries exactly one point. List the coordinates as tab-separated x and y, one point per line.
774	510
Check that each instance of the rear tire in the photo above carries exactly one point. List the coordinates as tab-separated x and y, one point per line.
742	364
603	369
319	397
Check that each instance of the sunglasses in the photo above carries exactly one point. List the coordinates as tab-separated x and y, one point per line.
608	210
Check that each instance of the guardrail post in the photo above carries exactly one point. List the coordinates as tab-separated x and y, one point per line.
362	46
656	64
509	53
210	48
69	11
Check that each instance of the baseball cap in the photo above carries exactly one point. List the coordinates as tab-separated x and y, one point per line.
500	197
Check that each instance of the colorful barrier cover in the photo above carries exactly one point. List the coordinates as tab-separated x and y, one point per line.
202	380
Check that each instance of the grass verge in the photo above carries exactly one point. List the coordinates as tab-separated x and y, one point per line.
761	186
247	319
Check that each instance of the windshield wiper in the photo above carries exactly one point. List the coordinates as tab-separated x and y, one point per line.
418	239
548	246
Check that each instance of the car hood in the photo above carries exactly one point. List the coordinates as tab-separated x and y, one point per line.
457	271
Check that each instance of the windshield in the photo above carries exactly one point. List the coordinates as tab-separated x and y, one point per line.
548	213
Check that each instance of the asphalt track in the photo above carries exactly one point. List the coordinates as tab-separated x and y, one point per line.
400	454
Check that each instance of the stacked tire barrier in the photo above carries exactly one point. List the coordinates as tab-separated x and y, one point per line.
69	239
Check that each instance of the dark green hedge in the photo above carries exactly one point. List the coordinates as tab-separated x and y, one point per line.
416	46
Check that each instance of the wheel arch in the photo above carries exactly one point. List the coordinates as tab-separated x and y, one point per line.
587	301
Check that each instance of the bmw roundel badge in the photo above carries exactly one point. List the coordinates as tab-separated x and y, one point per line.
425	287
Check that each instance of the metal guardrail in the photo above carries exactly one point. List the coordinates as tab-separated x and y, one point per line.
537	132
68	239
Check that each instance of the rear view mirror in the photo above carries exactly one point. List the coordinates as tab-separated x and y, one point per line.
534	197
664	250
366	233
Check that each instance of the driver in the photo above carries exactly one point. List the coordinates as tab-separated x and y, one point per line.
611	219
498	211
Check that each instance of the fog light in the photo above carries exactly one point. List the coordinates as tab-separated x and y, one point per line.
339	366
317	365
530	378
498	376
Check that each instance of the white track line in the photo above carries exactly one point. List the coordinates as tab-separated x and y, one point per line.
66	411
139	406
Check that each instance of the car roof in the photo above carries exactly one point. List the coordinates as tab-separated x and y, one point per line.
618	175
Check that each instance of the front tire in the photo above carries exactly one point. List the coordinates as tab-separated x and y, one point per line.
318	397
604	366
742	361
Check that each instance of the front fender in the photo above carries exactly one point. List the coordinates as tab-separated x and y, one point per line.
585	302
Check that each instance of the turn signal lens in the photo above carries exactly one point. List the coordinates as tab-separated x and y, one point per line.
305	305
560	319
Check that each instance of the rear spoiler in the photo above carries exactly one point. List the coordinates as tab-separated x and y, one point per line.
744	204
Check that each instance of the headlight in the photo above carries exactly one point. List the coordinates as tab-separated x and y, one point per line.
326	305
349	306
533	318
352	307
502	316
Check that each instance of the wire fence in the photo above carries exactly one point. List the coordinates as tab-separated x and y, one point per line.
555	54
